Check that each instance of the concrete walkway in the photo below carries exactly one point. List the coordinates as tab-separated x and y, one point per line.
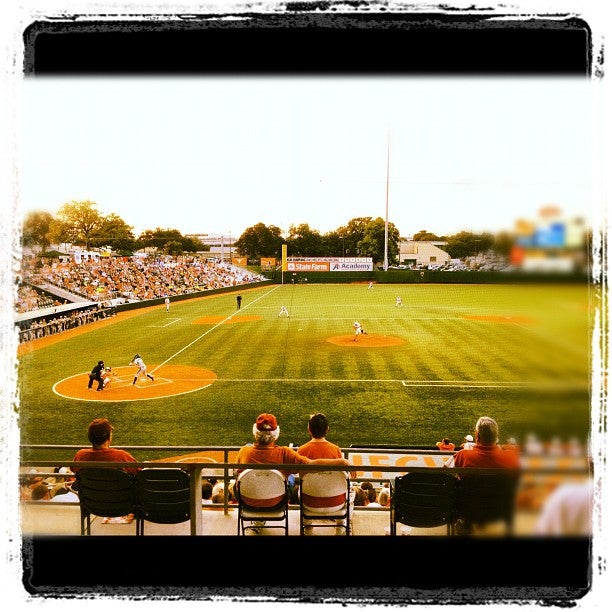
59	519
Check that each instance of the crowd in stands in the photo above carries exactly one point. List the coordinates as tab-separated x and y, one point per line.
29	299
135	278
132	279
33	329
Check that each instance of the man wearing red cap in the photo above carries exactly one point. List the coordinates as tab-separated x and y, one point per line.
265	450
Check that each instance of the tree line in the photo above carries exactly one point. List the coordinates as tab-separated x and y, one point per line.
82	224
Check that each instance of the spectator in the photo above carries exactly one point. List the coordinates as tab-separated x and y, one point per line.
468	442
265	450
207	491
486	451
41	492
445	445
318	447
384	497
359	496
231	494
100	433
28	483
568	510
62	491
533	446
486	454
218	492
368	489
511	445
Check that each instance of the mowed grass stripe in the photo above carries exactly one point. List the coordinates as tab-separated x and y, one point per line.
449	370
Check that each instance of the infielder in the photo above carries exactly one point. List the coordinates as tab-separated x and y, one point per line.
142	368
283	311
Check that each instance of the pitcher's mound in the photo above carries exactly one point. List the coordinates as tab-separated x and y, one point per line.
169	380
365	341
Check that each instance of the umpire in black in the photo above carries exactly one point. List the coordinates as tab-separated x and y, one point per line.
96	374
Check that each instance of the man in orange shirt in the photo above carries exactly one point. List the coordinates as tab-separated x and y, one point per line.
266	431
486	453
318	446
100	434
445	445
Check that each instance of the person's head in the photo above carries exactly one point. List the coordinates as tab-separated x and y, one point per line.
384	497
99	432
100	363
487	431
361	499
469	438
266	429
207	489
34	481
318	426
446	440
40	491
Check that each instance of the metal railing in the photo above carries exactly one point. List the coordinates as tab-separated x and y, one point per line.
198	469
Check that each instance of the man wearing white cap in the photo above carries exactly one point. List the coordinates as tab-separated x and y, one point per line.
468	442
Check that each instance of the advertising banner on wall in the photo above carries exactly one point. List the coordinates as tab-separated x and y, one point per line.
329	264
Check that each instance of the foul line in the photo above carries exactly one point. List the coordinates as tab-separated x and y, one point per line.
170	322
208	331
419	383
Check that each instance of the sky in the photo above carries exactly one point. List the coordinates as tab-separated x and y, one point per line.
218	155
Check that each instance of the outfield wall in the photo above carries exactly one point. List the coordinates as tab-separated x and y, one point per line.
393	276
191	296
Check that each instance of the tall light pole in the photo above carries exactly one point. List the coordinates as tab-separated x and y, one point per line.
386	258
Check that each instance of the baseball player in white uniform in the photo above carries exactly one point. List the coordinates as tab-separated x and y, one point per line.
142	368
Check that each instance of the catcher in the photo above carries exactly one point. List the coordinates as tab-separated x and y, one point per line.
106	376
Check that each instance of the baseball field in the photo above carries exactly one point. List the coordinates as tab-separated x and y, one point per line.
521	353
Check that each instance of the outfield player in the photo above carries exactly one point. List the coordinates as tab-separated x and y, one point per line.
142	368
398	301
167	303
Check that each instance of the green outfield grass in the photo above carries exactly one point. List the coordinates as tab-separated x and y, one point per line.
518	353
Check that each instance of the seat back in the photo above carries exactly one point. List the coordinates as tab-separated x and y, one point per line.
324	492
325	501
105	492
423	499
163	496
261	489
263	496
488	498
